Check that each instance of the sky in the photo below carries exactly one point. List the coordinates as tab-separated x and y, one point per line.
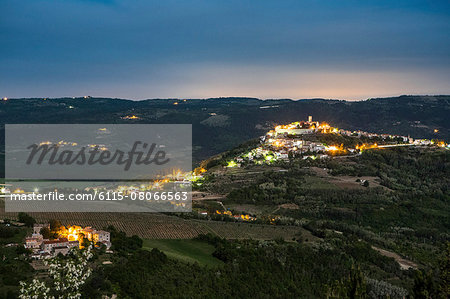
141	49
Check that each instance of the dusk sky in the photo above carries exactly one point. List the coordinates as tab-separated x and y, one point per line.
197	49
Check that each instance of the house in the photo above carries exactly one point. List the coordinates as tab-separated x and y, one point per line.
97	236
48	245
34	242
316	147
37	228
101	236
68	238
282	155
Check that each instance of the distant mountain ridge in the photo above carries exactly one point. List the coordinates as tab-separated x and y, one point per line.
246	118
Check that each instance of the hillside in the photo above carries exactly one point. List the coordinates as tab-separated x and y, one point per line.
222	123
377	215
310	217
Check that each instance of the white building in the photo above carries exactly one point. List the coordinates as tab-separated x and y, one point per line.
48	245
97	236
33	242
102	236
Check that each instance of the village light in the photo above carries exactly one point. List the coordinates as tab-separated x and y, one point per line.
332	148
231	164
130	117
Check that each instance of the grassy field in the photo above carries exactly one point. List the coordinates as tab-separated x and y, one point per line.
189	251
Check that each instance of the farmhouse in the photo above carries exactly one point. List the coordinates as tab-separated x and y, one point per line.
67	238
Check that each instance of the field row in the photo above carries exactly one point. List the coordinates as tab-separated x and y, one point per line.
160	226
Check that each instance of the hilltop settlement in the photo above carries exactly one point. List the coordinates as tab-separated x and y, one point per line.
297	140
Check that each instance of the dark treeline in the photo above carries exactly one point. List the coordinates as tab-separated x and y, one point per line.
263	269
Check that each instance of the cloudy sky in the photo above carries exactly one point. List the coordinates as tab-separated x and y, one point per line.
140	49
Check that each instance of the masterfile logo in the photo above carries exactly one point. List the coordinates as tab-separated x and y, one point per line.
98	168
97	152
92	156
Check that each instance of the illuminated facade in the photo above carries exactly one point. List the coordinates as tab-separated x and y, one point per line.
68	238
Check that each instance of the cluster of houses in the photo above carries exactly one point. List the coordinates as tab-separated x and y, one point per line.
360	134
310	126
284	145
277	144
283	140
67	239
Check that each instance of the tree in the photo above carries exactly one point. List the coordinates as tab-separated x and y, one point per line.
353	286
55	225
27	219
68	275
445	273
434	284
45	232
122	243
7	232
22	250
424	285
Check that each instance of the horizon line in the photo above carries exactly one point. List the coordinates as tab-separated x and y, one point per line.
225	97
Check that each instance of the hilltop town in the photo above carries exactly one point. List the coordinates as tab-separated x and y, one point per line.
292	140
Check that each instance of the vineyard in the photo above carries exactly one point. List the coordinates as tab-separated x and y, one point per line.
160	226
